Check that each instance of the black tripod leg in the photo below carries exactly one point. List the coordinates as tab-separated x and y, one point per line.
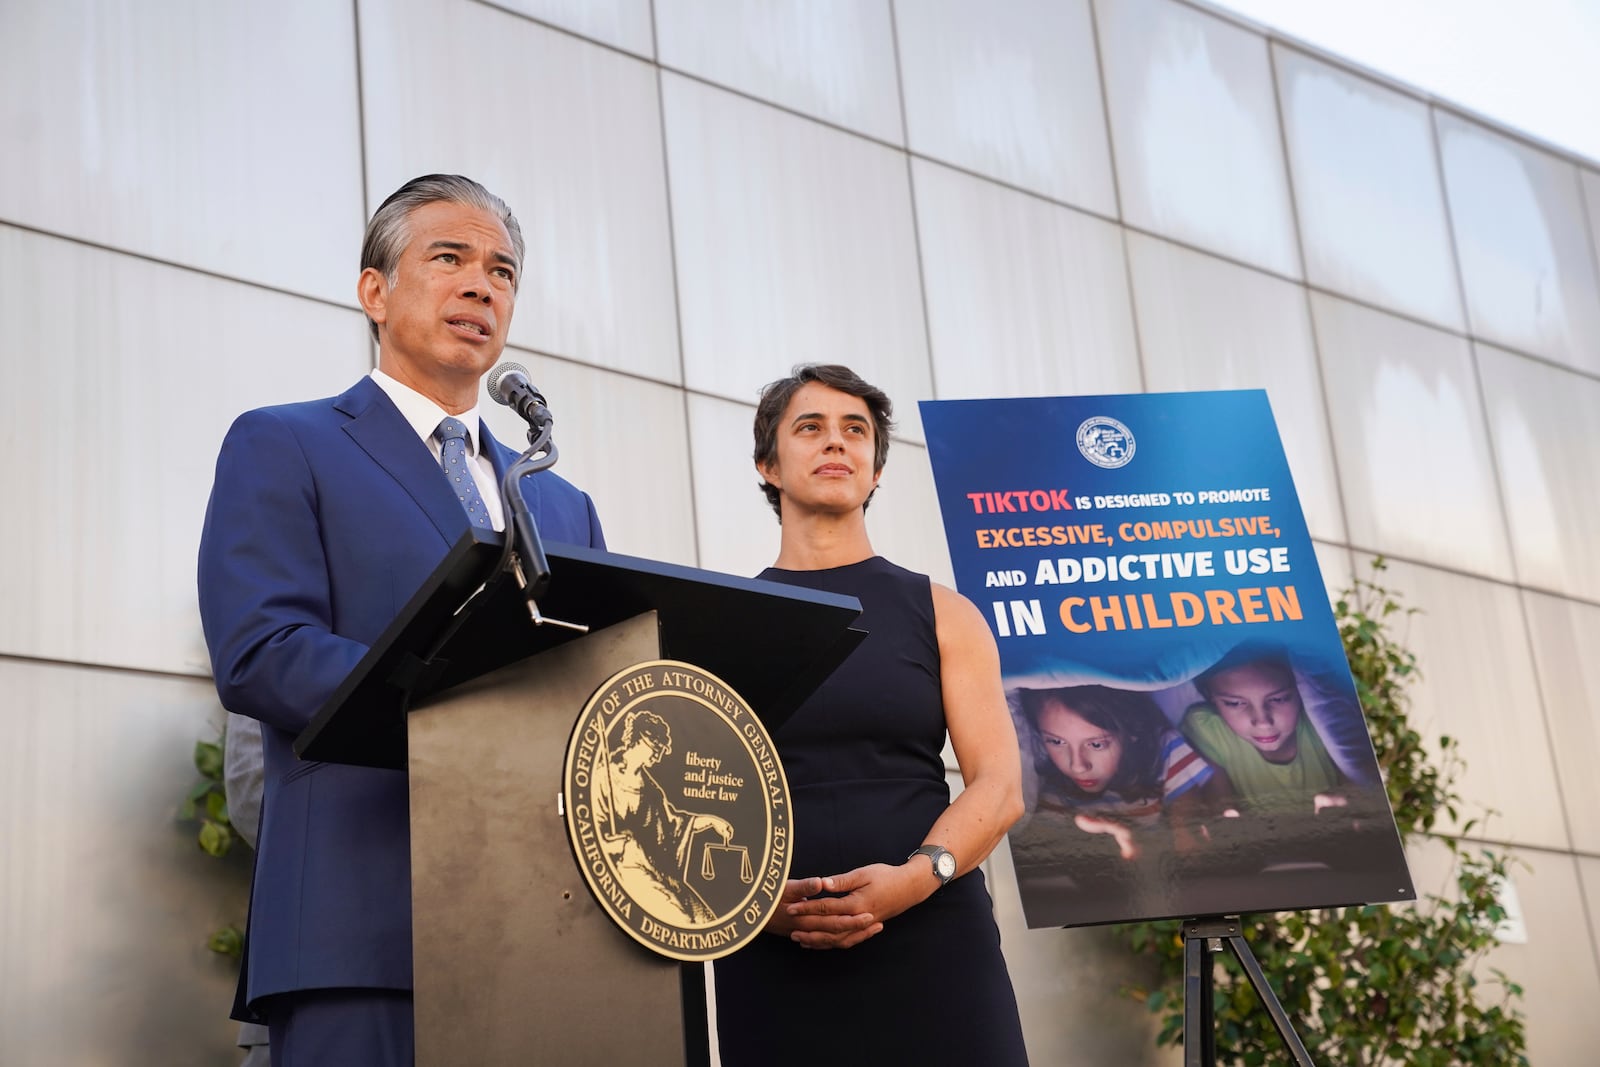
1199	1028
1280	1018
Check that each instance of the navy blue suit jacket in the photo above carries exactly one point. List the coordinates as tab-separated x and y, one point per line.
324	518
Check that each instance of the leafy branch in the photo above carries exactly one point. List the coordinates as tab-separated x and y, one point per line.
207	803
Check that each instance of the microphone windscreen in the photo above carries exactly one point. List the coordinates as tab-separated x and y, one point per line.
499	374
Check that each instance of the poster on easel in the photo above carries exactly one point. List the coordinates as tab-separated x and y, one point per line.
1191	739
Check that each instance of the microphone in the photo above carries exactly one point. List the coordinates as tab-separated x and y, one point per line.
509	385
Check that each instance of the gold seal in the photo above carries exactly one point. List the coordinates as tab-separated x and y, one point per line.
678	810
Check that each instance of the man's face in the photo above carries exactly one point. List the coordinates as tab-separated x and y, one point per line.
445	316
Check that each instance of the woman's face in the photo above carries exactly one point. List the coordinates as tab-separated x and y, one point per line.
825	451
1261	703
1086	754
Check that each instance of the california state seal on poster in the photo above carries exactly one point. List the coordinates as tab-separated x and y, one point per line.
678	810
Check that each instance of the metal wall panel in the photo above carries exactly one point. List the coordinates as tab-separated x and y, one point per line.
115	416
219	136
1009	89
106	901
1025	297
1519	222
1564	635
1367	187
1479	686
1207	324
567	133
626	24
1408	430
833	59
795	244
1194	131
1561	981
1545	423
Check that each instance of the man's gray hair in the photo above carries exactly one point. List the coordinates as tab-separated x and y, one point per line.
389	231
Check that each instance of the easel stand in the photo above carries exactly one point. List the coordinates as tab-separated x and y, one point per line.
1203	938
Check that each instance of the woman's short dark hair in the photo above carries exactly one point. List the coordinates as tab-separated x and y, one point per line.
775	397
1133	718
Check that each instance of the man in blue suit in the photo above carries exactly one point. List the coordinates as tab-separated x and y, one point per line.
324	518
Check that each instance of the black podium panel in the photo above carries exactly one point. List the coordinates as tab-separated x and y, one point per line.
772	643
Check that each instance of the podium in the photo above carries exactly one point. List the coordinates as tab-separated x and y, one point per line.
514	961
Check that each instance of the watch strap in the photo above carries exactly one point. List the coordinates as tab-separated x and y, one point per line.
943	861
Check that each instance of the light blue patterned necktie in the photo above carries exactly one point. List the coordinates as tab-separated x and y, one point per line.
452	438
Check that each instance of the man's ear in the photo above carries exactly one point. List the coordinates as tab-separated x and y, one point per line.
769	474
372	290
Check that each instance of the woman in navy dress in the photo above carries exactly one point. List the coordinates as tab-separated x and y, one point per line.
885	944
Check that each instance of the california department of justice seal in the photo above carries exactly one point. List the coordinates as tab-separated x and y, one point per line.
678	810
1105	442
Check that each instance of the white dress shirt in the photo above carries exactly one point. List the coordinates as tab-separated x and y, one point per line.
424	416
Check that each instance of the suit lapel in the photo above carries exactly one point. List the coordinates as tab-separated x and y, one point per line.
377	426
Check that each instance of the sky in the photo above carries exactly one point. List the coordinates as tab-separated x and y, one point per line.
1532	65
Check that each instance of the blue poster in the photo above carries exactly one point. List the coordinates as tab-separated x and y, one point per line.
1191	740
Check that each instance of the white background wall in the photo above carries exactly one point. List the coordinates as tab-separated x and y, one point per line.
957	198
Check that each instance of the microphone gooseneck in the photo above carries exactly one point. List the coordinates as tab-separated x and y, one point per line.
508	384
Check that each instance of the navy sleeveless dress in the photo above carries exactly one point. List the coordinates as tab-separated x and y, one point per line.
864	763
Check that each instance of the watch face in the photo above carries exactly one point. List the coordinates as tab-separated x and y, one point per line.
946	864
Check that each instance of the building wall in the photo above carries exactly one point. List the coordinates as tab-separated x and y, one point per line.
957	198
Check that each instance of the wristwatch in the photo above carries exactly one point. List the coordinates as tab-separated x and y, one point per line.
944	864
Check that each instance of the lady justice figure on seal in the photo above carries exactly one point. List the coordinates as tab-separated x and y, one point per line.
645	836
